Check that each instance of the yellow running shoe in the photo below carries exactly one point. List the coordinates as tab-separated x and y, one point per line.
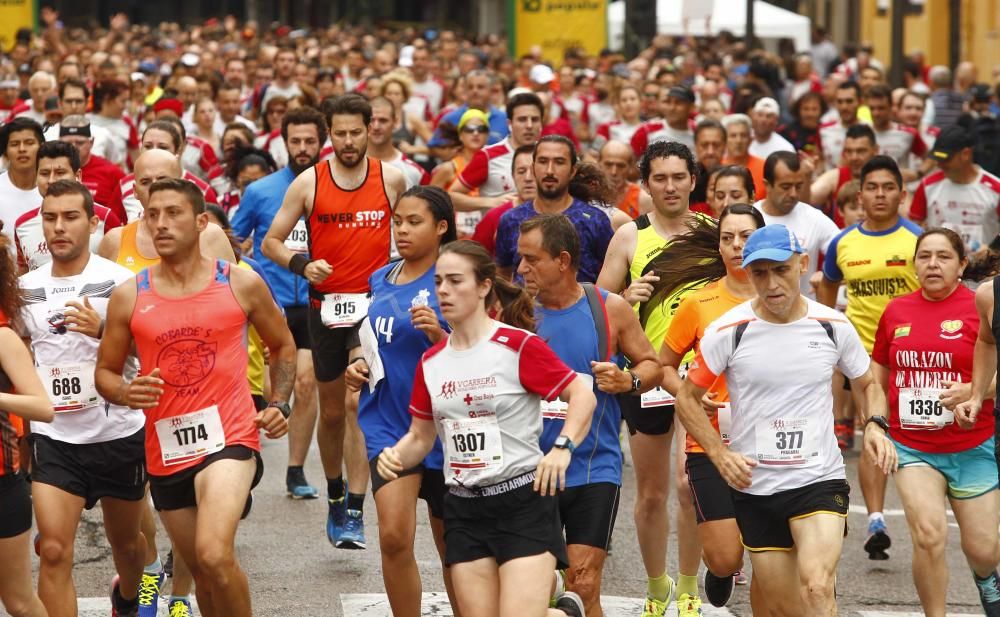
658	608
688	606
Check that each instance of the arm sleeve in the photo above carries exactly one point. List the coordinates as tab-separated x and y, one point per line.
475	172
420	399
830	268
541	370
918	207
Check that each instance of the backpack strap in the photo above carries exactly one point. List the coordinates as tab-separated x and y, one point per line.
602	324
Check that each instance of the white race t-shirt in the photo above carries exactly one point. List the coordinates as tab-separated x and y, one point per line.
782	402
65	359
775	143
13	203
968	209
814	231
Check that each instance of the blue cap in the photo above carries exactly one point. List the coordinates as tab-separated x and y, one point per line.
148	67
771	242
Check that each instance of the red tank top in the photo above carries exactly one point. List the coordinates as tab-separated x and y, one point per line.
11	426
351	230
199	343
842	179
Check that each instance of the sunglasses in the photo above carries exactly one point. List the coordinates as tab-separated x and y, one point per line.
469	130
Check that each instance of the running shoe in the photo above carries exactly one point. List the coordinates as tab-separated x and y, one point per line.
658	608
688	606
878	540
571	604
298	488
741	578
180	608
989	594
149	593
336	519
352	536
115	597
560	588
718	590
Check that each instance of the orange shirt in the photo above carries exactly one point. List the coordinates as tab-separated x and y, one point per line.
128	252
630	201
696	311
756	167
350	229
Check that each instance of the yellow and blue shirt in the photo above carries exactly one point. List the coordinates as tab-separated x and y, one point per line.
876	266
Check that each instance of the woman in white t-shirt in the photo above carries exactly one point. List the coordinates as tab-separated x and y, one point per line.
480	390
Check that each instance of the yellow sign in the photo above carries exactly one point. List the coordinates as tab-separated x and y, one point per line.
557	25
14	15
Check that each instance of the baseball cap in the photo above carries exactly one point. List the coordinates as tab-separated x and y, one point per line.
980	93
541	74
190	59
767	105
772	243
950	141
148	67
681	92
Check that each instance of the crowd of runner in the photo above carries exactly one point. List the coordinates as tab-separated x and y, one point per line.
471	277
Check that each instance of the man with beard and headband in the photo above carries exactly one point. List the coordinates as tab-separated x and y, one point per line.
304	131
347	202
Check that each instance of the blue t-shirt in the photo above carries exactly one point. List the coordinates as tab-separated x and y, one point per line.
258	206
591	224
497	119
384	415
571	333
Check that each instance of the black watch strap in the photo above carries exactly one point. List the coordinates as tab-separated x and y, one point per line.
881	421
282	406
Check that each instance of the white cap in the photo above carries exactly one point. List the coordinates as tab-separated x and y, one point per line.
541	74
767	105
138	76
190	59
406	56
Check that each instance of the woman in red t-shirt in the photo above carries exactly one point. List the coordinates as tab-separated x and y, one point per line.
923	356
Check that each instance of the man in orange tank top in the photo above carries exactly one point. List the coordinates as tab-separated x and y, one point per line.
347	202
188	317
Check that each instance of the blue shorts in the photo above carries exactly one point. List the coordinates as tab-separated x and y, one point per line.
969	473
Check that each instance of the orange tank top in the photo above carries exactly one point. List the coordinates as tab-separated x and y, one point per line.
128	252
199	343
460	163
11	426
351	230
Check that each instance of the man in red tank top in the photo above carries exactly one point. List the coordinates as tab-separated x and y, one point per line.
859	148
347	202
188	317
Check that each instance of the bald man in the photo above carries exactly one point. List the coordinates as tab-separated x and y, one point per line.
41	86
617	160
132	245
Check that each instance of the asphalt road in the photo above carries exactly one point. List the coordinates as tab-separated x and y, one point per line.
295	572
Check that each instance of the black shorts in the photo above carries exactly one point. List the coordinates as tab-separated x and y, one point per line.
588	513
649	421
177	491
92	471
764	519
713	500
518	523
15	505
432	488
330	347
297	318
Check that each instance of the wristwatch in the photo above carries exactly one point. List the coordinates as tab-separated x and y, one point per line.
281	406
879	420
636	382
563	442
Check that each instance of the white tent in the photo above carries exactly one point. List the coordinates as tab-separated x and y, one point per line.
770	22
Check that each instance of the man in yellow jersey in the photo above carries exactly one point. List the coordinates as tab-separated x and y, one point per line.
131	245
875	260
667	170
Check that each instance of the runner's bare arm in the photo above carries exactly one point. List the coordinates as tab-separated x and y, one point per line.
297	203
29	399
872	402
395	184
616	261
265	316
735	469
984	360
819	191
141	392
110	244
631	341
551	472
464	202
216	245
408	451
826	291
